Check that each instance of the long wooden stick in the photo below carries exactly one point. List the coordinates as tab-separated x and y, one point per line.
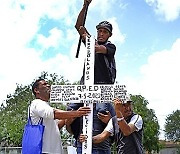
80	38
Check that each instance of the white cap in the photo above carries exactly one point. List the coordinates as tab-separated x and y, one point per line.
128	99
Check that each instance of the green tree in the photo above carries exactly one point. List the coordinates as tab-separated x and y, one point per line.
172	126
13	113
13	116
151	126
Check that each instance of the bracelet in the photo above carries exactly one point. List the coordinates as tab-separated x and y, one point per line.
120	119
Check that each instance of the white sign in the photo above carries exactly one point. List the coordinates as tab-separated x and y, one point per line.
87	94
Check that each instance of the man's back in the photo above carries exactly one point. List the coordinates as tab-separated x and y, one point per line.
98	125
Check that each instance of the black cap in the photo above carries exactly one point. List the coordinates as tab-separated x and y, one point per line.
106	25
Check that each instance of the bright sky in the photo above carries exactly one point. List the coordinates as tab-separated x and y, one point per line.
40	36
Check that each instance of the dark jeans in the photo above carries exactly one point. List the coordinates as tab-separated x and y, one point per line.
94	151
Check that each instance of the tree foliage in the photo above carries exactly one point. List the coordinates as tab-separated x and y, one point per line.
150	126
172	126
13	116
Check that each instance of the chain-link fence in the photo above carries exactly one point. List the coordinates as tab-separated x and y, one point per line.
17	150
10	150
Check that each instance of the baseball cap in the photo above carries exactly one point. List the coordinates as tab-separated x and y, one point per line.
127	100
106	25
